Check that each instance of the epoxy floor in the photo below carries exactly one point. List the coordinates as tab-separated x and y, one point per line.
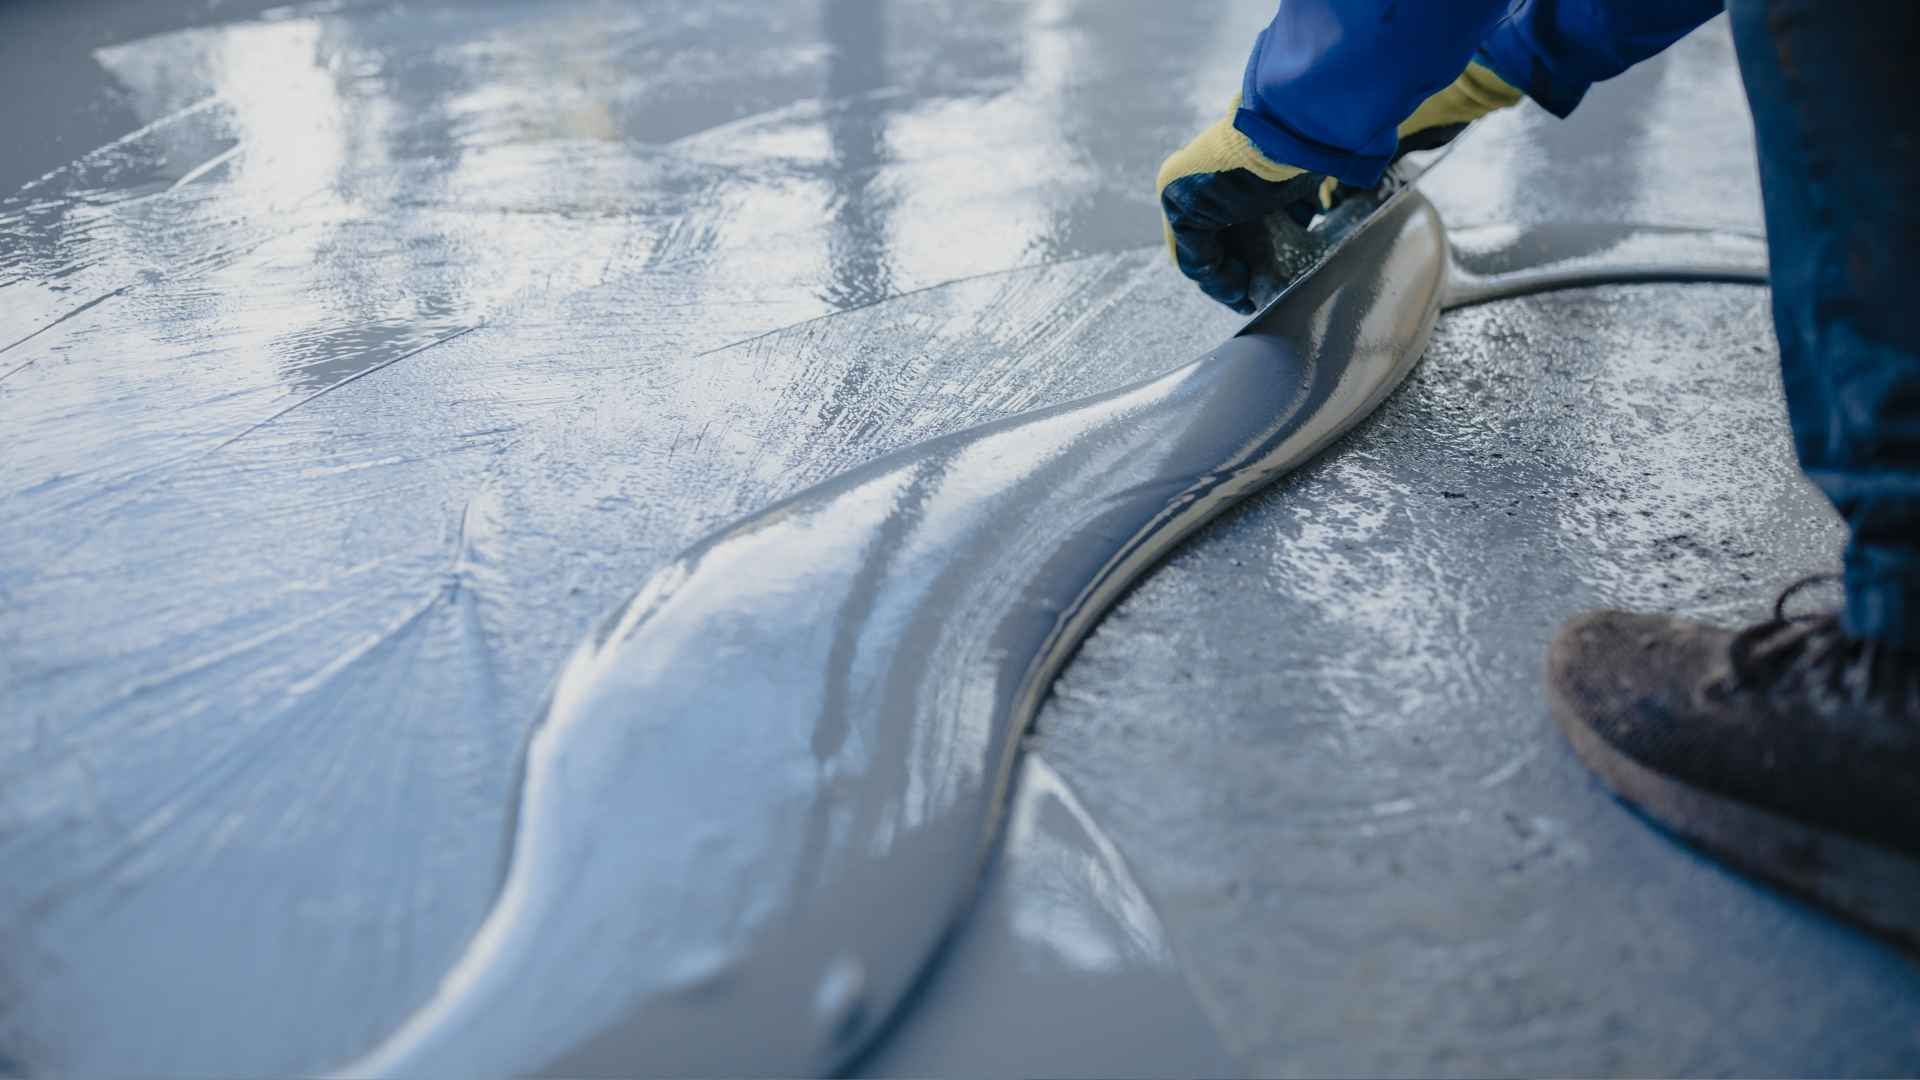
357	356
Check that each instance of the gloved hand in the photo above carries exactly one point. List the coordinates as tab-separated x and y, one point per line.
1216	191
1477	92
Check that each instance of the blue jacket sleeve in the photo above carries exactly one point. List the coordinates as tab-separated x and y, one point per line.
1554	49
1330	80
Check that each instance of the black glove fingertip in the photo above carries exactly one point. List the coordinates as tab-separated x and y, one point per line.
1226	281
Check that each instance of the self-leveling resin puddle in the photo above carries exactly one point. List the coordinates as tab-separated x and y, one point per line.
358	357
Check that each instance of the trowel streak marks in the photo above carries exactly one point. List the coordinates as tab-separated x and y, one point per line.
936	326
92	158
519	166
839	683
1033	320
102	298
376	718
94	228
410	353
206	167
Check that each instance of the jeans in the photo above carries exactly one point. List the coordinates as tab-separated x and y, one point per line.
1835	93
1833	86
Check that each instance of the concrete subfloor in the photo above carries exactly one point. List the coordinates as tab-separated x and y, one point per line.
358	356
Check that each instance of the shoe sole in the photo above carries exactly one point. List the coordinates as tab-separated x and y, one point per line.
1867	883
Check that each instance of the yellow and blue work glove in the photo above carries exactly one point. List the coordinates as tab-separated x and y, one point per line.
1217	190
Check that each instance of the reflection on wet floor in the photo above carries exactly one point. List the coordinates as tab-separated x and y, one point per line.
816	709
386	346
377	360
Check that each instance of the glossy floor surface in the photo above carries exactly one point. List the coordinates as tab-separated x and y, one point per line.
357	358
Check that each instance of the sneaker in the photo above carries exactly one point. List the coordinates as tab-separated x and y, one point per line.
1789	749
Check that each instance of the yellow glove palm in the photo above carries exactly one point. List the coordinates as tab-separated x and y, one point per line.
1220	148
1209	186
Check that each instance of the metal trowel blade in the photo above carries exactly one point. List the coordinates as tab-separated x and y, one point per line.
1296	250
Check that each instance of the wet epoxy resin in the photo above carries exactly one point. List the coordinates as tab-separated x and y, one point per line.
809	718
804	725
267	697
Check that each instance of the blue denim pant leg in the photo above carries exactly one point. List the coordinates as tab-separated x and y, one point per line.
1835	92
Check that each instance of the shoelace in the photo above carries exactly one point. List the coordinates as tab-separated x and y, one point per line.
1818	649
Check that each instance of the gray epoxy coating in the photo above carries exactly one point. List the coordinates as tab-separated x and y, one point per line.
805	724
282	580
1506	262
1061	946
